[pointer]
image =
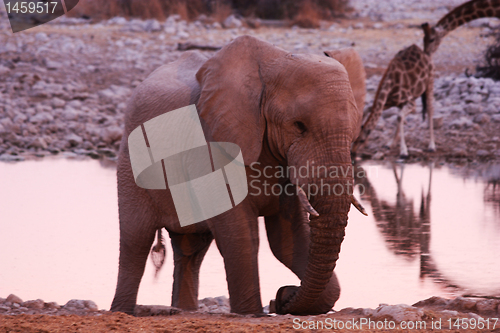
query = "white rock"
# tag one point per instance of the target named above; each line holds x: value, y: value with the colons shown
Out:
x: 42, y: 37
x: 41, y: 118
x: 170, y: 30
x: 461, y: 122
x: 183, y: 34
x: 111, y: 134
x: 4, y: 70
x: 117, y: 20
x: 476, y: 98
x: 231, y: 22
x: 39, y: 143
x: 152, y: 25
x: 76, y: 304
x: 52, y: 65
x: 90, y: 305
x: 58, y: 103
x: 69, y: 113
x: 14, y: 299
x: 73, y: 139
x: 36, y: 304
x: 399, y: 312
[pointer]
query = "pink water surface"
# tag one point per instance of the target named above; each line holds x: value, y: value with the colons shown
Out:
x: 59, y: 241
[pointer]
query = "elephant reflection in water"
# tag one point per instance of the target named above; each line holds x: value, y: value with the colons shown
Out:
x: 406, y: 231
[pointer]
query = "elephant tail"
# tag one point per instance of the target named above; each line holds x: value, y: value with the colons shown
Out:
x: 158, y: 252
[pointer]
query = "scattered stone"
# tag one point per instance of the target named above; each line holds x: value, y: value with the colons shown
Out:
x: 462, y: 122
x: 462, y: 304
x: 155, y: 310
x: 432, y: 301
x: 90, y: 305
x: 111, y: 134
x: 474, y: 108
x: 152, y: 25
x: 36, y: 304
x: 437, y: 122
x: 399, y: 312
x: 378, y: 156
x: 482, y: 153
x: 42, y: 37
x: 487, y: 306
x: 78, y: 304
x: 459, y: 152
x: 482, y: 118
x: 39, y: 143
x: 14, y: 299
x: 4, y: 70
x: 73, y: 139
x: 231, y: 22
x: 52, y: 306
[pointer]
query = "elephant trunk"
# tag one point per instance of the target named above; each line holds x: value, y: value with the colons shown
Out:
x: 326, y: 235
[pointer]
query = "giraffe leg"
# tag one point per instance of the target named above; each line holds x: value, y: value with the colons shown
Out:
x: 430, y: 111
x: 392, y: 141
x: 403, y: 150
x: 407, y: 109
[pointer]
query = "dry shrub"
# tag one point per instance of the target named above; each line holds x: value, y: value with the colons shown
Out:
x: 146, y: 9
x: 220, y: 11
x: 308, y: 16
x: 306, y: 12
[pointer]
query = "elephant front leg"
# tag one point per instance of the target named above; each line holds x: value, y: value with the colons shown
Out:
x: 237, y: 236
x: 288, y: 235
x: 189, y: 251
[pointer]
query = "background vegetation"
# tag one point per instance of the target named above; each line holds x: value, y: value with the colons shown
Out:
x: 312, y: 10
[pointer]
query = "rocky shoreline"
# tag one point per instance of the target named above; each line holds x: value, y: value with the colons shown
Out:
x: 464, y: 307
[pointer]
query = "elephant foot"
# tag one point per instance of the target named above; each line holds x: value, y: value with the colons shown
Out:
x: 283, y: 297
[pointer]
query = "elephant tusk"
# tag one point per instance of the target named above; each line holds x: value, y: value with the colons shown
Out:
x: 358, y: 206
x: 305, y: 203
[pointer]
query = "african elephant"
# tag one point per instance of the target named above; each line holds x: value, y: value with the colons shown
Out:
x: 282, y: 110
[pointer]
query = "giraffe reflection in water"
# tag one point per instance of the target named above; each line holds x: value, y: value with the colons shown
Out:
x: 407, y: 231
x: 492, y: 189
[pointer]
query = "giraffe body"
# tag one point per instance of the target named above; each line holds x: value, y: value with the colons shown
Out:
x: 408, y: 76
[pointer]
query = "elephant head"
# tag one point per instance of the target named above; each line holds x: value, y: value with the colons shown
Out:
x: 300, y: 111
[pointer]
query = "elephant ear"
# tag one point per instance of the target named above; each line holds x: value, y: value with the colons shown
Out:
x: 352, y: 62
x: 232, y: 90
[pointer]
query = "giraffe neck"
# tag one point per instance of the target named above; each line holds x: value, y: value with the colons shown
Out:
x: 467, y: 12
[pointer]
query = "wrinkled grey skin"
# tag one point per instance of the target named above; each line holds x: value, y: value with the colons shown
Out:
x: 281, y: 109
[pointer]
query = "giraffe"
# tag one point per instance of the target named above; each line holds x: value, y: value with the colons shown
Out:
x: 410, y: 74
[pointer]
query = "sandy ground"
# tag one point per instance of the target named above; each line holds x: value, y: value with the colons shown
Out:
x: 194, y: 322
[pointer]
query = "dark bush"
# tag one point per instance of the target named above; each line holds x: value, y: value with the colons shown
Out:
x: 491, y: 66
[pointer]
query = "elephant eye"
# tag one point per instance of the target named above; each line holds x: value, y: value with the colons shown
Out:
x: 300, y: 126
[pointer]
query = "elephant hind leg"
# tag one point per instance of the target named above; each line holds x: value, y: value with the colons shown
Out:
x: 134, y: 251
x: 138, y: 224
x: 189, y: 251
